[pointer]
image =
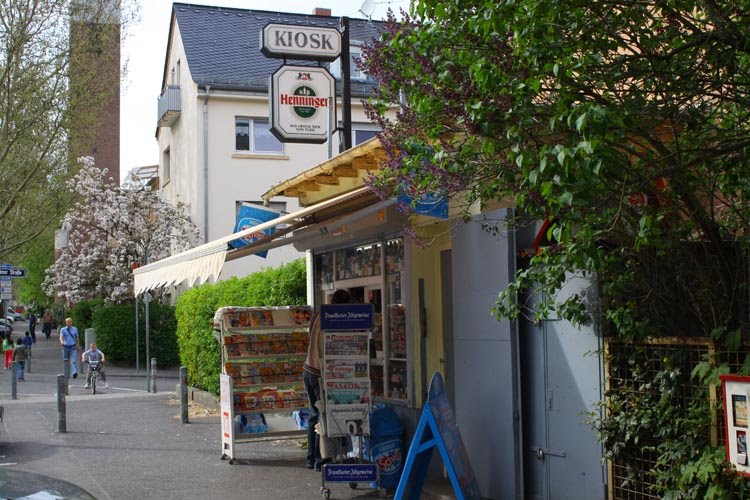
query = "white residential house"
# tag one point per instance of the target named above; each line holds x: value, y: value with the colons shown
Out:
x: 216, y: 149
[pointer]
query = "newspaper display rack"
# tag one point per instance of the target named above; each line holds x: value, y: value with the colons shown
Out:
x: 346, y: 390
x: 262, y: 353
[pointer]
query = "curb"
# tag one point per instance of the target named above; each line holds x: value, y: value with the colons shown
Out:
x: 201, y: 397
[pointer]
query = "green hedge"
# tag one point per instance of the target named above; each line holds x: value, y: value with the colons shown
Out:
x: 82, y: 314
x: 115, y: 333
x: 199, y: 350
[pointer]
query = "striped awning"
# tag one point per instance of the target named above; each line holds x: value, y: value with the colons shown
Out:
x: 206, y: 261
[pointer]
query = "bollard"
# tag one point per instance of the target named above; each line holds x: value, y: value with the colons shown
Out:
x: 28, y: 361
x: 183, y: 395
x: 14, y: 380
x: 66, y: 374
x: 61, y: 391
x: 153, y: 375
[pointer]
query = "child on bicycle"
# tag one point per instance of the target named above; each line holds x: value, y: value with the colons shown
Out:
x: 94, y: 355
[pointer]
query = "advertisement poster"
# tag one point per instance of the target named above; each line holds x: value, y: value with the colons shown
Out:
x: 739, y: 409
x: 251, y: 216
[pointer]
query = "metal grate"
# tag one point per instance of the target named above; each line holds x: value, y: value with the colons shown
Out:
x: 631, y: 478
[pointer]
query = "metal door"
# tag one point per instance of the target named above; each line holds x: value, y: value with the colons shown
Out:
x: 561, y: 380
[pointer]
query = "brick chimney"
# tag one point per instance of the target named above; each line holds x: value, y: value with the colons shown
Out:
x: 320, y: 11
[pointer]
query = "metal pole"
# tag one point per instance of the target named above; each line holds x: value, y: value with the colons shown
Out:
x: 331, y: 104
x: 137, y: 339
x: 14, y: 380
x: 346, y: 77
x: 61, y: 391
x: 153, y: 375
x: 28, y: 361
x: 147, y: 299
x: 183, y: 395
x: 66, y: 374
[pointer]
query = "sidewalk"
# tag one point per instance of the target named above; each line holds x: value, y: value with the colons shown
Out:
x: 126, y: 443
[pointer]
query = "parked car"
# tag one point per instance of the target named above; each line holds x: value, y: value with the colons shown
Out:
x: 17, y: 316
x: 6, y: 326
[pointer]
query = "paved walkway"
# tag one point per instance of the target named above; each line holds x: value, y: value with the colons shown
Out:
x: 126, y: 443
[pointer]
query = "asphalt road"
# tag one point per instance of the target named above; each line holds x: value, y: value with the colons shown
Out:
x: 126, y: 443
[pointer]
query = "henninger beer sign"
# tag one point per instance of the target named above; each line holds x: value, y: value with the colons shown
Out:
x: 300, y: 97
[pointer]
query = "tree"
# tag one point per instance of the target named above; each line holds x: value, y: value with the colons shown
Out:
x: 626, y: 127
x: 44, y: 83
x: 110, y: 228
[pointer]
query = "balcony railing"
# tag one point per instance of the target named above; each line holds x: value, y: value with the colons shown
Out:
x: 169, y: 106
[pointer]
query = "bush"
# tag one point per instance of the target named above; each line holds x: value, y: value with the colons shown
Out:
x: 82, y: 313
x: 199, y: 350
x: 115, y: 333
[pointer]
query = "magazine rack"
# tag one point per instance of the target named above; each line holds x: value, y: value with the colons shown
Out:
x: 262, y: 353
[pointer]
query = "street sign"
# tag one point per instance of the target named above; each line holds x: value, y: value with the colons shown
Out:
x: 13, y: 272
x: 5, y: 296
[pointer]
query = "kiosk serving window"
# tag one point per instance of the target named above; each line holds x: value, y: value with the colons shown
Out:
x: 372, y: 273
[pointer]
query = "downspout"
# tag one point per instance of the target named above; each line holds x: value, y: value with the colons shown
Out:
x: 205, y: 164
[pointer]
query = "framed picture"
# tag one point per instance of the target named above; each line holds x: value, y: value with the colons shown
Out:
x: 739, y: 410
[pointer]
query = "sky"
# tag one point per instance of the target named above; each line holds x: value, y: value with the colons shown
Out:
x: 144, y: 50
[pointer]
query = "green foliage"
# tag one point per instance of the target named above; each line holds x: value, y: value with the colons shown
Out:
x: 36, y: 258
x: 625, y: 128
x: 199, y: 350
x: 115, y: 333
x: 82, y: 313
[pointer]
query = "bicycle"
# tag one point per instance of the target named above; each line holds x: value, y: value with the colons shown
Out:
x: 94, y: 368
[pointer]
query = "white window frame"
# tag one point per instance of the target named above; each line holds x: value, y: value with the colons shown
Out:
x: 166, y: 165
x: 355, y: 52
x: 251, y: 139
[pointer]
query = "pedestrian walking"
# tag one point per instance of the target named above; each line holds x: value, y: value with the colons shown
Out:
x: 32, y: 326
x: 19, y: 356
x: 69, y: 340
x: 8, y: 347
x: 47, y: 323
x: 27, y: 341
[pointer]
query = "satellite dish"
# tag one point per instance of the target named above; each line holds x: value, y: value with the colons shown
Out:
x: 368, y: 7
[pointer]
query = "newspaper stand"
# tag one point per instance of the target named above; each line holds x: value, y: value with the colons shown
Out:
x: 262, y: 353
x: 345, y: 411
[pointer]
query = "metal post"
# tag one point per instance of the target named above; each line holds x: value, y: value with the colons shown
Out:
x: 61, y: 391
x: 66, y: 374
x: 147, y: 299
x: 14, y: 380
x: 137, y: 339
x: 183, y: 395
x: 28, y: 361
x: 153, y: 375
x: 331, y: 126
x: 346, y: 77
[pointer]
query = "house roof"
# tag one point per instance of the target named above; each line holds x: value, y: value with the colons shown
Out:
x: 222, y: 45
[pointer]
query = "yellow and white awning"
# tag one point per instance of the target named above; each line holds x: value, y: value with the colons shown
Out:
x: 206, y: 261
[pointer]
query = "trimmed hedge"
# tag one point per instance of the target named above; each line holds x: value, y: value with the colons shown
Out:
x: 199, y: 350
x: 115, y: 333
x: 82, y: 314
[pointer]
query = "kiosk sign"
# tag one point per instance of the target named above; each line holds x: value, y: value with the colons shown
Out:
x: 300, y: 98
x: 291, y: 41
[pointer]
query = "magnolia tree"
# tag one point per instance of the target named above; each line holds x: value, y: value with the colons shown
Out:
x: 626, y: 127
x: 111, y: 228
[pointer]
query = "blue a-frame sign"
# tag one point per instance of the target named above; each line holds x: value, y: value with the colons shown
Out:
x: 437, y: 428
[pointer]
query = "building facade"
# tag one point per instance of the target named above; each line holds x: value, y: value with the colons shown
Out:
x: 216, y: 150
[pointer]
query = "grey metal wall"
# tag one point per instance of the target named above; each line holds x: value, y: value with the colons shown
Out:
x: 484, y: 356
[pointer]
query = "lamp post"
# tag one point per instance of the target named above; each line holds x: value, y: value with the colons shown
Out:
x: 147, y: 300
